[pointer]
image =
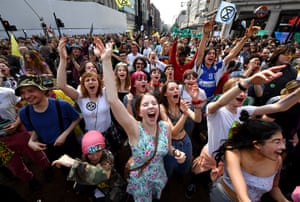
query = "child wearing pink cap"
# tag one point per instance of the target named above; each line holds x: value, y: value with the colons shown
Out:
x: 94, y: 174
x: 296, y: 194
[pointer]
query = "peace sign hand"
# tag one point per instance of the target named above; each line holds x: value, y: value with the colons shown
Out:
x: 251, y: 30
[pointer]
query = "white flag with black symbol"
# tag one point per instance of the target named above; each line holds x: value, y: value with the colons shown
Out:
x: 226, y: 12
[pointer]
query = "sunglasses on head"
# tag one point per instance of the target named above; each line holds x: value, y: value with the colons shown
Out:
x: 94, y: 149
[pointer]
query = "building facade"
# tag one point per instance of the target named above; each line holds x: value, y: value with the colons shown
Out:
x: 141, y: 15
x: 281, y: 16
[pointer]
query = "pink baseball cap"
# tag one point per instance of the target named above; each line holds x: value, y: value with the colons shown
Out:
x: 92, y: 142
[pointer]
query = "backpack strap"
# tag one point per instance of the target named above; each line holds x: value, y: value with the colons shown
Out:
x: 59, y: 114
x: 27, y: 113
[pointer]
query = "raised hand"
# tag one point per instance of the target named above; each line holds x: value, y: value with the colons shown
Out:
x: 251, y: 30
x: 267, y: 75
x: 62, y: 48
x: 101, y: 51
x: 208, y: 26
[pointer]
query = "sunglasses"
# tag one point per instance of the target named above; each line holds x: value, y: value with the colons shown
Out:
x: 289, y: 54
x: 94, y: 149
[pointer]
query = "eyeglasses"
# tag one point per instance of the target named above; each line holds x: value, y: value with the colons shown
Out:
x: 48, y: 83
x: 277, y: 141
x: 288, y: 54
x: 94, y: 149
x: 257, y: 63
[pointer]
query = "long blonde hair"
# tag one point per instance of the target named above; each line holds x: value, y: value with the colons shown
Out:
x: 118, y: 81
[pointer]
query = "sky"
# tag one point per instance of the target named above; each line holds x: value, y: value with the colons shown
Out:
x: 169, y: 9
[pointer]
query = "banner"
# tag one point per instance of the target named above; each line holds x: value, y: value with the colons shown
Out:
x: 297, y: 36
x: 186, y: 33
x: 122, y: 3
x: 262, y: 32
x: 226, y: 12
x: 281, y: 36
x: 14, y: 46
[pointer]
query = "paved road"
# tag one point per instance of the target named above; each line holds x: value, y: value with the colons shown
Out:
x: 59, y: 190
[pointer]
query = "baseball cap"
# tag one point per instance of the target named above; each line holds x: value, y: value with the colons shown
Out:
x: 92, y: 141
x: 76, y: 45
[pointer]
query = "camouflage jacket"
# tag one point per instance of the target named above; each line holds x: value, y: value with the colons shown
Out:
x: 86, y: 173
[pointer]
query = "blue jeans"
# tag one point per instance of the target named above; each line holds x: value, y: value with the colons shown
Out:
x: 171, y: 165
x: 217, y: 193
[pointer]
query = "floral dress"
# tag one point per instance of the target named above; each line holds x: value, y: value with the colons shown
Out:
x: 151, y: 181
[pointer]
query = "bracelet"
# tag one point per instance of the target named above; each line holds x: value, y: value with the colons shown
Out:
x: 197, y: 102
x: 247, y: 81
x: 242, y: 88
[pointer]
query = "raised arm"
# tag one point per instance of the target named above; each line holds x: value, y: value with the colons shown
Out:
x: 172, y: 58
x: 126, y: 120
x: 250, y: 31
x: 61, y: 71
x: 207, y: 28
x: 280, y: 106
x: 262, y: 77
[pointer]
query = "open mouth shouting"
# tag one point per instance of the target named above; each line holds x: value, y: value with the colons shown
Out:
x: 240, y: 100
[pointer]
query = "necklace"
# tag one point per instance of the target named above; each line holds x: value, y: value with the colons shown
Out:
x: 173, y: 112
x: 93, y: 108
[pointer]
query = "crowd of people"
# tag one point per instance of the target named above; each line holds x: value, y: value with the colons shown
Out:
x: 216, y: 108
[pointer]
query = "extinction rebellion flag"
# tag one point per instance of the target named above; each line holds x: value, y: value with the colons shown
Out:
x: 226, y: 12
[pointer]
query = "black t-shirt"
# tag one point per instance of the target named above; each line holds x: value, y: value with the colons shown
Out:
x: 274, y: 87
x: 289, y: 120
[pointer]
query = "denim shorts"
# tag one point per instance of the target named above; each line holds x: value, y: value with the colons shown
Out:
x: 171, y: 165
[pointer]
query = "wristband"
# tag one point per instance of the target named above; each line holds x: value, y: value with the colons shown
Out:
x: 197, y: 102
x: 242, y: 88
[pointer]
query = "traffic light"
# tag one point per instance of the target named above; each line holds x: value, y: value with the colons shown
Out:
x: 59, y: 23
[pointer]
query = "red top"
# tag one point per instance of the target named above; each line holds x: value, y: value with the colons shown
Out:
x: 180, y: 69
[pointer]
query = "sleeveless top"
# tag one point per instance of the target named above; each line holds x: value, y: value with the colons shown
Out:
x: 174, y: 119
x: 153, y: 178
x: 256, y: 186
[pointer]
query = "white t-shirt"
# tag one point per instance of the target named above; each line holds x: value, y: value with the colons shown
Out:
x: 8, y: 101
x: 219, y: 123
x: 96, y: 115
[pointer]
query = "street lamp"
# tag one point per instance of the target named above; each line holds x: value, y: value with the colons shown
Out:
x: 188, y: 5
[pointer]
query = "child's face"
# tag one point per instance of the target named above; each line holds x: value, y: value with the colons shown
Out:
x: 122, y: 72
x: 155, y: 75
x: 95, y: 157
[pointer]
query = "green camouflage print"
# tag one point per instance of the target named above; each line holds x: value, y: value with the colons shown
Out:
x: 85, y: 173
